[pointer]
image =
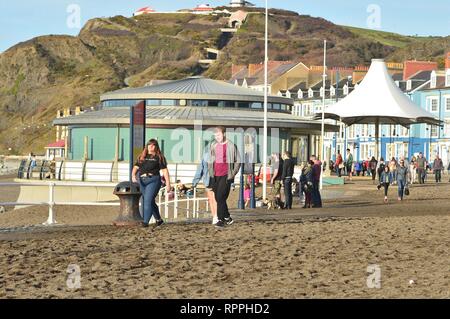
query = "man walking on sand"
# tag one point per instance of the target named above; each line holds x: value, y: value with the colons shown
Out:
x: 438, y: 167
x: 224, y: 164
x: 421, y: 168
x: 349, y: 164
x: 288, y: 172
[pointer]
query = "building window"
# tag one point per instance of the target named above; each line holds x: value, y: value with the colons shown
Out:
x: 332, y: 91
x: 447, y: 77
x: 433, y: 104
x: 434, y: 130
x: 351, y: 131
x: 447, y: 104
x: 229, y: 104
x: 257, y: 105
x: 120, y: 103
x: 168, y: 103
x: 300, y: 94
x: 213, y: 103
x: 307, y: 110
x: 153, y: 102
x: 243, y: 105
x: 365, y: 130
x: 201, y: 103
x: 322, y: 91
x: 310, y: 93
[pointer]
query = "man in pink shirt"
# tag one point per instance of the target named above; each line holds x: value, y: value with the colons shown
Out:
x: 224, y: 165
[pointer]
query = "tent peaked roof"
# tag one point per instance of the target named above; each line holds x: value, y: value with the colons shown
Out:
x: 378, y: 100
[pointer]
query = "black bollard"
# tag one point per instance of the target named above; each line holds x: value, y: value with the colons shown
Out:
x: 129, y: 195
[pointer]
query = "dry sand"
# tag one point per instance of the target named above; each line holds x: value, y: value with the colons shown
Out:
x: 320, y: 253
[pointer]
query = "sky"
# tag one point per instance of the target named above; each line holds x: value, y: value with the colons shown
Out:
x: 21, y: 20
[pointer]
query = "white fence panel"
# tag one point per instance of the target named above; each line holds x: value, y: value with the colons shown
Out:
x: 73, y: 171
x: 99, y: 172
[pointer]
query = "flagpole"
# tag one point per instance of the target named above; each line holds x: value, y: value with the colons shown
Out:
x: 322, y: 148
x: 266, y: 60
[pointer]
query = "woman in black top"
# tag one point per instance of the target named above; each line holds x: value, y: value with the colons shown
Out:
x: 149, y: 165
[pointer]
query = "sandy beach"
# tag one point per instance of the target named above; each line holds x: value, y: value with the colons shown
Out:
x: 303, y: 253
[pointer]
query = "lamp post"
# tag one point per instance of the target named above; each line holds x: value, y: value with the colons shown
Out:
x: 266, y: 62
x: 322, y: 141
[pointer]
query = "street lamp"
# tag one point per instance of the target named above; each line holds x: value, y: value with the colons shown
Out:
x: 266, y: 93
x: 322, y: 148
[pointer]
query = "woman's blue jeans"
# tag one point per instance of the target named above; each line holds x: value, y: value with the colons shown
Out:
x: 150, y: 187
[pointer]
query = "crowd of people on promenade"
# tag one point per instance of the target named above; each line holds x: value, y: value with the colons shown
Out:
x: 418, y: 166
x: 385, y: 173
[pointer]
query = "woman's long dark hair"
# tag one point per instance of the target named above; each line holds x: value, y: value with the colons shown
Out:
x: 158, y: 152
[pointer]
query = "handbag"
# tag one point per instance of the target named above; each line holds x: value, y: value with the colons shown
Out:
x: 341, y: 165
x: 407, y: 191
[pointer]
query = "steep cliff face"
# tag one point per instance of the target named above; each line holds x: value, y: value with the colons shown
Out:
x: 48, y: 73
x: 42, y: 75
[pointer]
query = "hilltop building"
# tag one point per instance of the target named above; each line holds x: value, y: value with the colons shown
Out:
x: 240, y: 3
x: 145, y: 10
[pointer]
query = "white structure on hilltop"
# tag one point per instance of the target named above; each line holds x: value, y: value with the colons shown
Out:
x: 145, y: 10
x: 240, y: 3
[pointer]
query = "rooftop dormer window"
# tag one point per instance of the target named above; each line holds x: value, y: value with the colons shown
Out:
x: 346, y: 89
x: 433, y: 80
x: 408, y: 85
x: 322, y: 91
x: 300, y: 94
x: 332, y: 91
x: 310, y: 93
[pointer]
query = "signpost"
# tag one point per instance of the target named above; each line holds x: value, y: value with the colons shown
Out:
x: 137, y: 132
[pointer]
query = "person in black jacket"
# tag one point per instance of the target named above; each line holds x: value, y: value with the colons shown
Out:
x: 306, y: 181
x: 288, y: 172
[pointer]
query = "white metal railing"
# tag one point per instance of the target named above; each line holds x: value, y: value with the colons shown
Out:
x: 52, y: 201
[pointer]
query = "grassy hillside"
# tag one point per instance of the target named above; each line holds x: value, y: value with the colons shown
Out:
x: 385, y: 38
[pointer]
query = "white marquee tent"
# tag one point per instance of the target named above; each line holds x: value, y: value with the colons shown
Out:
x: 378, y: 100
